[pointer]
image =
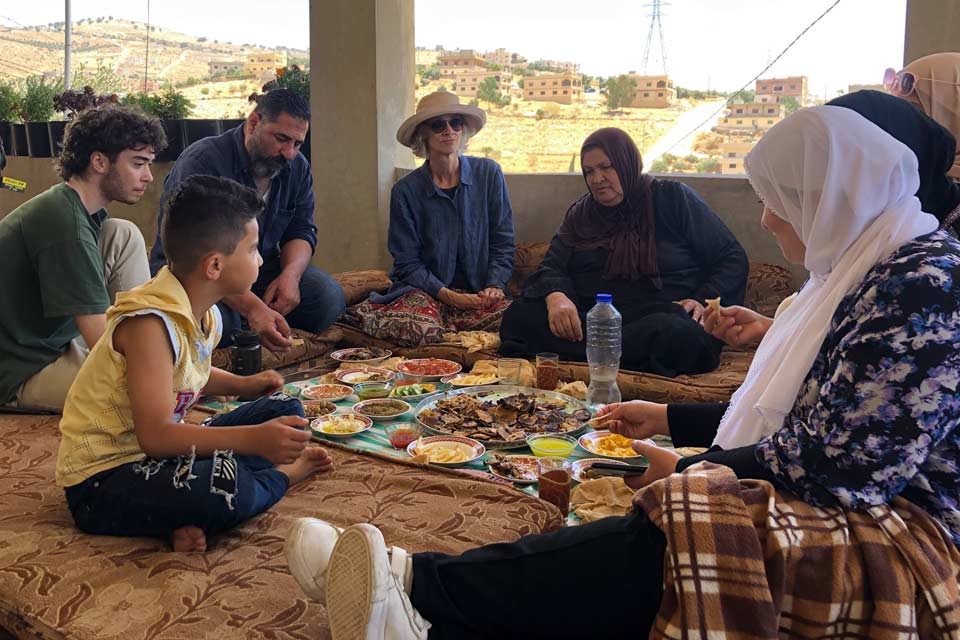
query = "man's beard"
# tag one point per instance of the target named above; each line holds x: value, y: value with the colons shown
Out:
x: 262, y: 166
x: 112, y: 188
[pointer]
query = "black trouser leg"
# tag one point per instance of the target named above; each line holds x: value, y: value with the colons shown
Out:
x: 597, y: 580
x: 525, y: 331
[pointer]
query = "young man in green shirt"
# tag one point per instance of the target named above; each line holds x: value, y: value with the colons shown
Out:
x: 63, y: 260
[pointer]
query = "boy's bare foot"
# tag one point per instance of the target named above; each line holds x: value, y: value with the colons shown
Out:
x: 312, y: 460
x: 188, y: 539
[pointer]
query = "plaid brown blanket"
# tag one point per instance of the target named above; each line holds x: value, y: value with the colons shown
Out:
x: 746, y: 561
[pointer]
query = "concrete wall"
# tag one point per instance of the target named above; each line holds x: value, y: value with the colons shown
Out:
x: 931, y: 26
x: 539, y: 202
x: 40, y: 175
x: 357, y: 108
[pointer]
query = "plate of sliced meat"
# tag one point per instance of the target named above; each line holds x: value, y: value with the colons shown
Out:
x: 502, y: 416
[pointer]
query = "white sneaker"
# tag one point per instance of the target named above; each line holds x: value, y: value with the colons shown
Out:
x: 365, y: 600
x: 309, y: 545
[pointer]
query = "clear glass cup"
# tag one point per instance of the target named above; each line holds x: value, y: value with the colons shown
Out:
x: 509, y: 369
x: 548, y: 371
x: 554, y: 476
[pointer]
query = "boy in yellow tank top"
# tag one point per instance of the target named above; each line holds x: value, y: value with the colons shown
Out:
x: 128, y: 465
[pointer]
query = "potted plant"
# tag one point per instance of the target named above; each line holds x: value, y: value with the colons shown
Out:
x: 71, y: 103
x: 36, y: 108
x: 9, y: 109
x: 171, y: 107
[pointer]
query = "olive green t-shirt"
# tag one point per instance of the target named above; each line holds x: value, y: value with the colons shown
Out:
x: 51, y: 270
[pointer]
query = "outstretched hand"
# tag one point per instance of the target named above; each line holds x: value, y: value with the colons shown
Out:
x: 661, y: 463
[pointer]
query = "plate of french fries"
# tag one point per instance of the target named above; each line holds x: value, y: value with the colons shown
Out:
x: 446, y: 451
x: 608, y: 445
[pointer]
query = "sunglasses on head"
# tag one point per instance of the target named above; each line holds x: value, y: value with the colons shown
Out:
x: 439, y: 125
x: 903, y: 83
x: 899, y: 83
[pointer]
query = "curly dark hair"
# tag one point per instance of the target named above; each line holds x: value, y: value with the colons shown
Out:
x: 272, y: 103
x: 205, y: 214
x: 108, y: 129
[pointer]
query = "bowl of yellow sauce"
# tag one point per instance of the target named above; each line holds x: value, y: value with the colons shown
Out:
x: 551, y: 444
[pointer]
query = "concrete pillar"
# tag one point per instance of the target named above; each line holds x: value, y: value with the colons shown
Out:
x: 362, y: 75
x: 932, y: 26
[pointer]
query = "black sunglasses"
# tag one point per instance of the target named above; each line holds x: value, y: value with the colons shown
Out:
x: 439, y: 125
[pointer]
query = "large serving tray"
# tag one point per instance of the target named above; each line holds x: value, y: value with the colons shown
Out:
x: 496, y: 392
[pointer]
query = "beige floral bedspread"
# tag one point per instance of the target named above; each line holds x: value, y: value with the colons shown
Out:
x: 56, y: 582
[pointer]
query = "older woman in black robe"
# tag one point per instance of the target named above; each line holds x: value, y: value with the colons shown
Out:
x: 653, y: 244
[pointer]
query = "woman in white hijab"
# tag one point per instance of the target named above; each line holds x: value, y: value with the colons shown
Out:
x: 853, y: 400
x: 863, y: 365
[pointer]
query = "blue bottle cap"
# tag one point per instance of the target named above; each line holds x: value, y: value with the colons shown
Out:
x: 605, y: 297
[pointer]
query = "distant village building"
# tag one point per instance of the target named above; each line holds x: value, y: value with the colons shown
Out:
x: 225, y: 66
x: 426, y: 57
x: 258, y: 63
x: 452, y: 62
x: 563, y: 65
x: 775, y: 89
x: 467, y: 83
x: 502, y: 58
x: 565, y: 88
x: 653, y: 92
x: 751, y: 116
x: 732, y: 155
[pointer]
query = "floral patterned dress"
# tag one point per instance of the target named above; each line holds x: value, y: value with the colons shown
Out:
x: 878, y: 414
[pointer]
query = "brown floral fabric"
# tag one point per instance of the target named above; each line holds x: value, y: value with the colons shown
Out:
x: 314, y: 344
x: 56, y: 582
x: 355, y: 337
x: 416, y: 319
x: 358, y: 285
x: 767, y: 286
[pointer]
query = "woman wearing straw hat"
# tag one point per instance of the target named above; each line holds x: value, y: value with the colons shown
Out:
x: 451, y: 233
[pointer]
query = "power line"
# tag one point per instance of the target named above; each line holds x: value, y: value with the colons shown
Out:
x: 755, y: 78
x: 146, y: 55
x: 26, y: 27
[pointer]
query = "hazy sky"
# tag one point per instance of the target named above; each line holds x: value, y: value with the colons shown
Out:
x: 723, y: 42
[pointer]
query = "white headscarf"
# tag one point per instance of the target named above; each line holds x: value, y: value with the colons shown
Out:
x: 847, y: 188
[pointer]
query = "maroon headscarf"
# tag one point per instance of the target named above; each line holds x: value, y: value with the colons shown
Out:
x: 627, y: 230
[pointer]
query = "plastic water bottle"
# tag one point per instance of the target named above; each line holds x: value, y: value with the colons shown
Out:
x: 604, y: 324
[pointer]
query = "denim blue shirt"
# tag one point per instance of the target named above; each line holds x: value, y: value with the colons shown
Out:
x: 430, y: 232
x: 289, y: 213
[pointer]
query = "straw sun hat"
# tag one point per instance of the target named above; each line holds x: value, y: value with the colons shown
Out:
x: 439, y: 103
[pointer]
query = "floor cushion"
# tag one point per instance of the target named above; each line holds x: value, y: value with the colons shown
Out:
x: 56, y: 582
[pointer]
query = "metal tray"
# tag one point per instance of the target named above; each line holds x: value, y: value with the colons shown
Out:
x: 495, y: 392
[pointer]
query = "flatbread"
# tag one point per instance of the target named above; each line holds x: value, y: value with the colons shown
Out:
x: 601, y: 497
x: 714, y: 303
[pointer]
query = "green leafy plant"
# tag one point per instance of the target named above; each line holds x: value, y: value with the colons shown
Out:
x: 620, y: 92
x: 293, y: 78
x: 789, y: 104
x: 9, y: 101
x: 36, y: 104
x: 168, y: 105
x: 103, y: 80
x: 489, y: 92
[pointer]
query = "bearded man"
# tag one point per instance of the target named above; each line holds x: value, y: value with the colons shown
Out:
x: 264, y: 154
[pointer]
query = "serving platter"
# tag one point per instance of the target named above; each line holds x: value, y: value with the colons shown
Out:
x: 493, y: 393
